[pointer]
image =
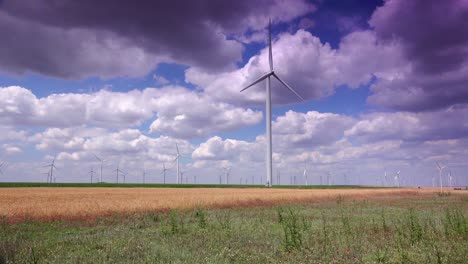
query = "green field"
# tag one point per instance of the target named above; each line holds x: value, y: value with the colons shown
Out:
x: 170, y: 185
x: 390, y: 229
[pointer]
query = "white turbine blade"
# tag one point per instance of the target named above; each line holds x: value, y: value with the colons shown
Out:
x: 263, y: 77
x: 177, y: 147
x: 287, y: 86
x: 270, y: 57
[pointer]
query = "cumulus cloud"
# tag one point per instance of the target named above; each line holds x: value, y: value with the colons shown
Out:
x: 451, y: 123
x: 433, y: 37
x: 216, y: 148
x: 81, y: 143
x: 310, y: 67
x: 186, y: 114
x: 109, y: 38
x: 309, y: 130
x: 20, y: 107
x: 434, y: 34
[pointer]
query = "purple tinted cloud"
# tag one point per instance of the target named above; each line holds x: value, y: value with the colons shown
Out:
x: 189, y: 32
x: 433, y: 36
x: 434, y: 33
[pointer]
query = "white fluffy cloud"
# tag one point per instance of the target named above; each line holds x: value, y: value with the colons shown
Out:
x: 314, y: 69
x: 189, y: 114
x: 179, y: 112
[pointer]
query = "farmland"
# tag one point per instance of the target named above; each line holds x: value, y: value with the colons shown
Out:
x: 209, y: 225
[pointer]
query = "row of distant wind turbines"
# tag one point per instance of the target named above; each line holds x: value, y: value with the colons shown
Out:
x: 225, y: 177
x: 269, y: 159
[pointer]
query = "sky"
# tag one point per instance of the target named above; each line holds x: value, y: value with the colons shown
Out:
x: 385, y: 86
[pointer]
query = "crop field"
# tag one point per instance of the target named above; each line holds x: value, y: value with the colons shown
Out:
x: 247, y: 225
x: 21, y: 204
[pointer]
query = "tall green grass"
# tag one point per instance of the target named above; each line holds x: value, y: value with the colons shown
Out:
x: 341, y: 231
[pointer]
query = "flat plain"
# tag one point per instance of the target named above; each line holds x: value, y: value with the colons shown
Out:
x: 22, y: 204
x: 231, y: 225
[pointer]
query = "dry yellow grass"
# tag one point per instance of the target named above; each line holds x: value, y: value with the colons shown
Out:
x: 20, y: 204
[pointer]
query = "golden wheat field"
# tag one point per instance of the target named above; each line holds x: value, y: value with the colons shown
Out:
x: 20, y: 204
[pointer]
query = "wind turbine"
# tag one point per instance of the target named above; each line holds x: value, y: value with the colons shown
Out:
x: 1, y: 165
x: 144, y: 173
x: 164, y: 173
x: 227, y: 170
x: 441, y: 168
x: 267, y: 76
x: 177, y: 160
x: 397, y: 178
x: 329, y: 178
x: 386, y: 179
x: 117, y: 171
x: 278, y: 178
x: 449, y: 178
x: 305, y: 175
x: 102, y: 163
x: 48, y: 175
x: 91, y: 172
x: 52, y: 167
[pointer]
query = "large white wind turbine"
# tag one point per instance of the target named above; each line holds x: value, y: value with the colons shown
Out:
x: 440, y: 168
x: 267, y: 76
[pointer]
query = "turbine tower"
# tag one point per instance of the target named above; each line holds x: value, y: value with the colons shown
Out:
x: 52, y: 167
x: 449, y: 178
x: 305, y: 176
x: 91, y: 172
x: 177, y: 161
x: 227, y: 170
x: 119, y: 171
x: 397, y: 178
x: 267, y: 76
x: 164, y: 173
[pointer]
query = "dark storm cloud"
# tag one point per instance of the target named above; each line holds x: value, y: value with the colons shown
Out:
x: 434, y: 32
x: 433, y: 36
x: 189, y: 32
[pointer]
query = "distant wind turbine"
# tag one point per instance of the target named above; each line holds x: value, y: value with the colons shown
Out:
x: 144, y: 173
x: 52, y: 167
x: 117, y: 171
x: 1, y: 165
x: 267, y: 76
x: 101, y: 160
x: 449, y: 178
x: 440, y: 168
x: 329, y: 178
x: 397, y: 178
x: 91, y: 172
x: 164, y: 173
x: 177, y: 161
x: 305, y: 175
x: 227, y: 171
